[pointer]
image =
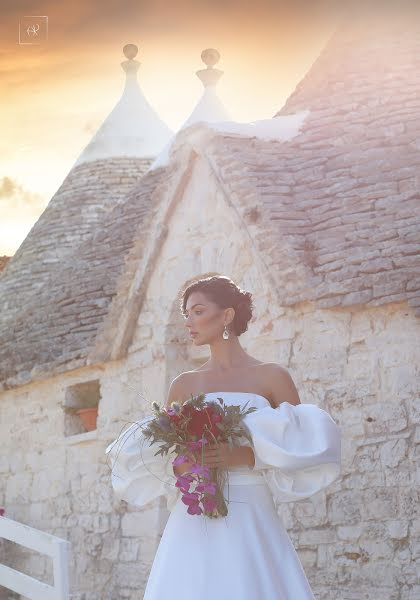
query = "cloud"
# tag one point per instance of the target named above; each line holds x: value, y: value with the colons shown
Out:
x: 7, y: 187
x: 19, y: 209
x: 16, y: 200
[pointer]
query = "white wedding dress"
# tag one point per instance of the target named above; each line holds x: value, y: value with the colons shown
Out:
x: 248, y: 554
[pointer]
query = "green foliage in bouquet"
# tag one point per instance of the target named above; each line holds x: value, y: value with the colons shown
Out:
x: 176, y: 432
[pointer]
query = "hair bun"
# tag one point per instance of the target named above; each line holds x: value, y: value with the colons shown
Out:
x: 243, y: 311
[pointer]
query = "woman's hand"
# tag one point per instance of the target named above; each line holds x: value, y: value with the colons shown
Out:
x: 220, y: 456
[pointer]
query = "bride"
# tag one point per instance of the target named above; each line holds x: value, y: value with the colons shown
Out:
x: 295, y: 452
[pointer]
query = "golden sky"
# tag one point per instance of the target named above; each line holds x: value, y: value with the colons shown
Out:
x: 55, y: 95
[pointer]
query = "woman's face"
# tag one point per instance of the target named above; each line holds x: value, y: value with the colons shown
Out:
x: 203, y: 319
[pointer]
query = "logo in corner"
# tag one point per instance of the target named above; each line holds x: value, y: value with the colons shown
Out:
x: 33, y: 30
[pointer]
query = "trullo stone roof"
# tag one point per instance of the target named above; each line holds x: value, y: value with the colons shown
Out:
x: 107, y: 169
x: 333, y: 211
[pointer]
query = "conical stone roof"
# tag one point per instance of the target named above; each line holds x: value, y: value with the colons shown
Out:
x: 133, y: 128
x: 209, y: 108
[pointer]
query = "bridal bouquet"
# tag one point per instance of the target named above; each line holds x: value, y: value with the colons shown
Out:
x: 187, y: 428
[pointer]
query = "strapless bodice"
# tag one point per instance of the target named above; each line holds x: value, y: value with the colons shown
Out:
x: 240, y: 398
x: 242, y: 475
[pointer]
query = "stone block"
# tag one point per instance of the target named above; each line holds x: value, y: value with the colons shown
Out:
x: 110, y: 548
x: 380, y: 503
x: 398, y: 529
x: 139, y: 524
x: 378, y: 421
x: 313, y: 537
x: 393, y: 452
x: 129, y: 550
x: 349, y: 532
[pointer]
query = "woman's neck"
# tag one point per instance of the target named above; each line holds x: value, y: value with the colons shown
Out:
x: 227, y: 354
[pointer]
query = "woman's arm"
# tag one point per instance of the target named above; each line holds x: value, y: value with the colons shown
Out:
x: 281, y: 385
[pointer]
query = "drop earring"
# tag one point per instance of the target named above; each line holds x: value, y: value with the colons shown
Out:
x: 225, y: 334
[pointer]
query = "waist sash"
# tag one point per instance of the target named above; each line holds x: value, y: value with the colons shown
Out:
x: 244, y: 477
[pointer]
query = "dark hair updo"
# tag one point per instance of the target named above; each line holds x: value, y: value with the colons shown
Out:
x: 226, y: 294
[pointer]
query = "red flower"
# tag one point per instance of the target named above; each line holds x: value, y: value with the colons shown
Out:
x: 176, y: 418
x: 202, y: 421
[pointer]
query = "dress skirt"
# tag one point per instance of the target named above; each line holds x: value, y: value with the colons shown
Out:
x: 246, y: 555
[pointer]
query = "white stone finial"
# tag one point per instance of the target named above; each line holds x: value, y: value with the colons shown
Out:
x: 210, y: 57
x: 130, y: 50
x: 130, y: 66
x: 210, y: 76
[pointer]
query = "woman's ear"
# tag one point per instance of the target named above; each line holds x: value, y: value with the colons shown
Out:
x: 229, y: 315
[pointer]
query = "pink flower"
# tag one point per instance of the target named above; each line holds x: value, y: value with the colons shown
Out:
x: 209, y: 504
x: 209, y: 488
x: 200, y: 469
x: 194, y: 509
x: 179, y: 460
x: 183, y: 483
x: 190, y: 498
x: 196, y: 445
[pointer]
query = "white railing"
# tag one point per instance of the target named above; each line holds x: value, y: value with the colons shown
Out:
x: 42, y: 542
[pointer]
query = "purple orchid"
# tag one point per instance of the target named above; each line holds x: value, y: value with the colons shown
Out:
x: 179, y: 460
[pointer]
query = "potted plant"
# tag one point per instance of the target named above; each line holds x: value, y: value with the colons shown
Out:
x: 87, y: 413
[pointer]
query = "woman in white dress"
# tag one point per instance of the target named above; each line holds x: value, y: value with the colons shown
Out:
x: 295, y: 452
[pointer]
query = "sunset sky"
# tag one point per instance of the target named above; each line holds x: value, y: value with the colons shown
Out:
x: 55, y: 95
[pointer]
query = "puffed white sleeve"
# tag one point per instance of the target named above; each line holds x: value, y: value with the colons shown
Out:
x: 137, y: 475
x: 297, y: 448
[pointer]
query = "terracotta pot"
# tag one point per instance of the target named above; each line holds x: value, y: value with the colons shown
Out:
x: 88, y: 417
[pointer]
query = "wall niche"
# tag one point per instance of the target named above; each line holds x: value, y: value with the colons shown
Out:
x: 81, y: 402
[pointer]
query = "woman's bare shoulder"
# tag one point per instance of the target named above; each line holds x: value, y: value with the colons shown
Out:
x: 178, y: 390
x: 273, y: 367
x: 281, y: 384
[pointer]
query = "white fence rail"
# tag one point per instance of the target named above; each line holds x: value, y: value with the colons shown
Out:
x: 42, y: 542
